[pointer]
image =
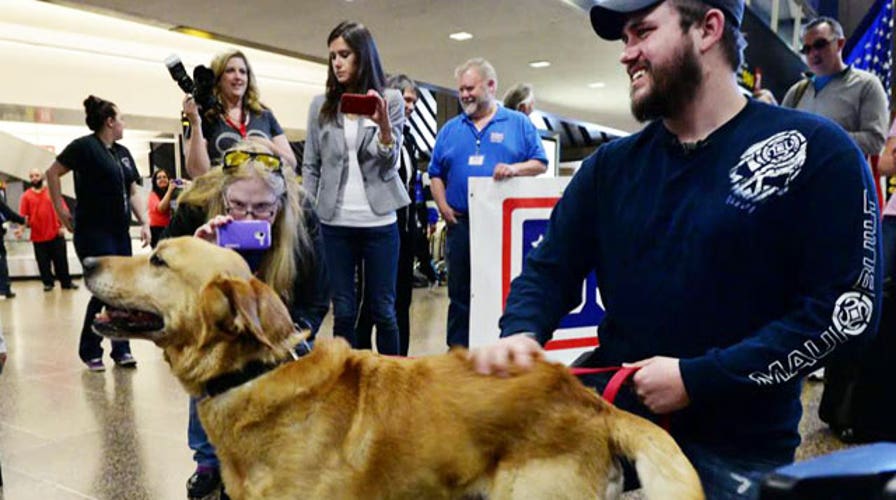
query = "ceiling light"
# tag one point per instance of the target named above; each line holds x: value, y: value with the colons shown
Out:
x: 460, y: 36
x: 597, y: 85
x: 540, y: 64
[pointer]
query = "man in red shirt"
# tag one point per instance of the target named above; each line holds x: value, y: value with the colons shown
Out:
x: 47, y: 234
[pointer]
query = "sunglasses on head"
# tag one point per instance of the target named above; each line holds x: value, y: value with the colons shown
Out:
x: 816, y: 45
x: 233, y: 159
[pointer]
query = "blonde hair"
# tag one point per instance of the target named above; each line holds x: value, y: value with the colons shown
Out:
x: 291, y: 256
x: 251, y: 99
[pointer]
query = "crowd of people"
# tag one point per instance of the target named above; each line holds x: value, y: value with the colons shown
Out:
x: 757, y: 227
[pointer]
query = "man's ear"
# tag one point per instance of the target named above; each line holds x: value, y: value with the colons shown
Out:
x: 230, y: 308
x: 712, y: 29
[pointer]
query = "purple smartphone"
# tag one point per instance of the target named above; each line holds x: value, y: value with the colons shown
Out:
x: 245, y: 235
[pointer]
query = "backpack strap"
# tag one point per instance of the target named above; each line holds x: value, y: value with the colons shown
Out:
x: 800, y: 92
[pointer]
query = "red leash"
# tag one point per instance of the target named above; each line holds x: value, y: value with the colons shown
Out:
x: 612, y: 389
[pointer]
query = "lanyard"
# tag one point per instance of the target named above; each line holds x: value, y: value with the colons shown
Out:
x: 241, y: 127
x: 478, y: 134
x: 124, y: 188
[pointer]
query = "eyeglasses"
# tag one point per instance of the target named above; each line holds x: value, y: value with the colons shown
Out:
x: 261, y: 211
x: 816, y: 45
x: 233, y: 159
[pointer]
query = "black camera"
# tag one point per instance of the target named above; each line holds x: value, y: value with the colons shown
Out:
x: 201, y: 86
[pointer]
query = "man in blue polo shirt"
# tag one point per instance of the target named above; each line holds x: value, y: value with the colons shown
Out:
x: 486, y: 140
x: 735, y: 245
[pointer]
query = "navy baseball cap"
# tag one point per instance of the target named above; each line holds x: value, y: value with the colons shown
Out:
x: 608, y: 16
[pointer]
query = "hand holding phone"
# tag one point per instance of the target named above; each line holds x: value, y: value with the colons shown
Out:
x: 358, y: 104
x: 245, y: 235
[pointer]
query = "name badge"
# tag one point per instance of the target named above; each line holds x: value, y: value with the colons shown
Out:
x: 476, y: 160
x: 496, y: 137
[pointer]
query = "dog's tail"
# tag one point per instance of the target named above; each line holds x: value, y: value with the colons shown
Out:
x: 662, y: 468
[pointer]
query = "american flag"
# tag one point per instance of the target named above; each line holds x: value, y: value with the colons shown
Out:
x: 873, y: 52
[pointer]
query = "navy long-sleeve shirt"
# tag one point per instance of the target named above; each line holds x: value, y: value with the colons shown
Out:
x: 751, y: 258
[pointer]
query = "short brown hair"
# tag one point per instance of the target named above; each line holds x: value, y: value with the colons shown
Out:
x: 733, y: 41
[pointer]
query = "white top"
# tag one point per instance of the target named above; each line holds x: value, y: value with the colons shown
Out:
x: 355, y: 209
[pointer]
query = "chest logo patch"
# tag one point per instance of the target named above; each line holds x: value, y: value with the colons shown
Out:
x: 767, y: 168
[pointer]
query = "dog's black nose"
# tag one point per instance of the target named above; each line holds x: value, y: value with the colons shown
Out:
x: 90, y: 265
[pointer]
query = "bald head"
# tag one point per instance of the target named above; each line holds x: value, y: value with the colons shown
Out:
x: 35, y: 175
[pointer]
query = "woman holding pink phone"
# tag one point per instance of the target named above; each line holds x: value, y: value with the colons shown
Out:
x: 350, y: 167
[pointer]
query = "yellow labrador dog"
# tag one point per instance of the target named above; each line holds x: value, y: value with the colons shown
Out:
x: 345, y: 424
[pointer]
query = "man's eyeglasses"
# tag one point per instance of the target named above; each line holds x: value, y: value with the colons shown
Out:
x: 233, y: 159
x: 816, y: 45
x: 261, y: 211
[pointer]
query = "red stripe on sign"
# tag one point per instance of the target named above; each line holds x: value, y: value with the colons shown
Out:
x: 559, y: 344
x: 511, y: 204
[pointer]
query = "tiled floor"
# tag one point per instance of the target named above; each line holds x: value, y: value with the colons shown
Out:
x: 66, y: 433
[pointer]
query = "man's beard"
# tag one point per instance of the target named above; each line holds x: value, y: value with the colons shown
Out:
x: 673, y: 86
x: 37, y: 184
x: 471, y: 108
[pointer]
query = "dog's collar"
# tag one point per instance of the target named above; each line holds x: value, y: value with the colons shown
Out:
x: 251, y: 371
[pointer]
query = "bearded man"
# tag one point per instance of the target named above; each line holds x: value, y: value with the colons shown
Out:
x: 47, y: 233
x: 734, y: 243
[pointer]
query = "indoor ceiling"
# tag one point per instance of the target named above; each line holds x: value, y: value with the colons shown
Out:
x: 412, y: 36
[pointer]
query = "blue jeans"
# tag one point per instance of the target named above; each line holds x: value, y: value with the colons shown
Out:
x: 723, y: 474
x: 203, y: 452
x: 4, y: 269
x: 457, y: 248
x: 377, y: 249
x: 888, y: 242
x: 96, y: 244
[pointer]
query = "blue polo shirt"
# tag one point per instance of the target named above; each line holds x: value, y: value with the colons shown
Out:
x: 509, y: 137
x: 751, y: 258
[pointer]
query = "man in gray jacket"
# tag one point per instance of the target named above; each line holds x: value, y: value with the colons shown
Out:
x: 853, y: 98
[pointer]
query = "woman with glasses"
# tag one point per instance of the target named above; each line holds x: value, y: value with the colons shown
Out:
x: 237, y: 115
x: 350, y: 166
x: 253, y: 185
x: 106, y: 187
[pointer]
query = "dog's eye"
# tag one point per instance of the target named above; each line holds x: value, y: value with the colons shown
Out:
x: 156, y: 260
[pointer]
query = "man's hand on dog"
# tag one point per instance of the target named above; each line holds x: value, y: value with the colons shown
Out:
x: 518, y: 351
x: 659, y: 385
x: 209, y: 230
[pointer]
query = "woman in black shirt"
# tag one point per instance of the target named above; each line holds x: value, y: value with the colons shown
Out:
x: 107, y: 191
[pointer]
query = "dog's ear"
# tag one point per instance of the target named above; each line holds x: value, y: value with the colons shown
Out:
x: 272, y: 312
x: 236, y: 307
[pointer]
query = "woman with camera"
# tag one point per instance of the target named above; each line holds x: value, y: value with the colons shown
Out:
x: 106, y: 188
x: 253, y: 185
x: 237, y: 114
x: 350, y: 167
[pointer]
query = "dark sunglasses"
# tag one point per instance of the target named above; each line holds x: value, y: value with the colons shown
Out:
x: 816, y: 45
x: 233, y: 159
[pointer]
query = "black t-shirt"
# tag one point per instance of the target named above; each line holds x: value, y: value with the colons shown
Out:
x: 103, y: 179
x: 220, y: 136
